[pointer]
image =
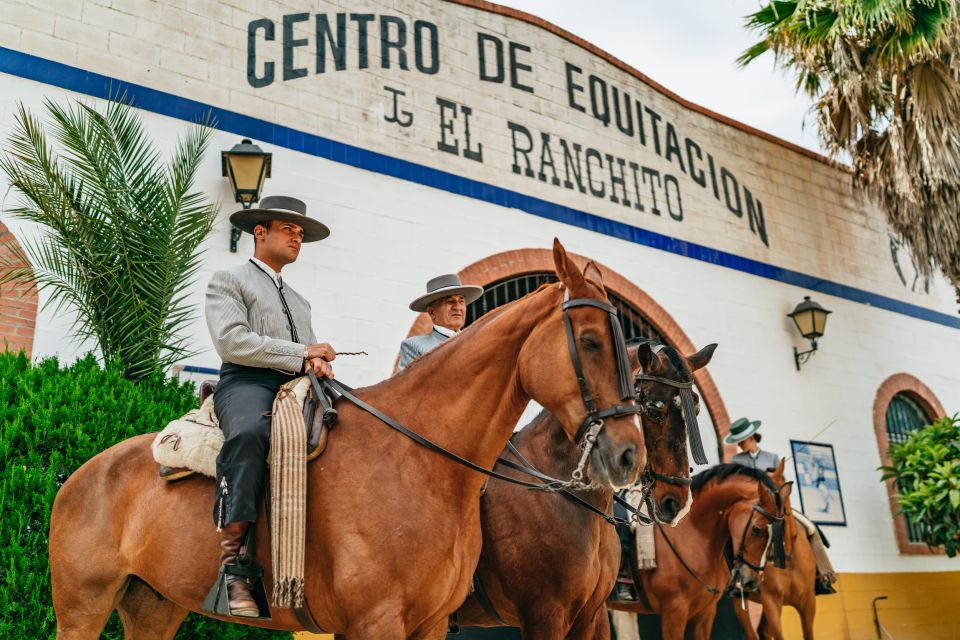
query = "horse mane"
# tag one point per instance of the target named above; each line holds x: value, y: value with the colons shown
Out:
x: 722, y: 472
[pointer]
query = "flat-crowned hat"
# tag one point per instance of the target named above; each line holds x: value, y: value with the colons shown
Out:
x: 282, y: 208
x: 443, y: 286
x: 741, y: 430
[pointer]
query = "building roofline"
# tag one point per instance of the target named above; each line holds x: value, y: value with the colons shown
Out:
x: 523, y: 16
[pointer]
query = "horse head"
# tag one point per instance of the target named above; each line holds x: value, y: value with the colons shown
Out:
x: 751, y: 528
x: 575, y: 365
x: 665, y: 426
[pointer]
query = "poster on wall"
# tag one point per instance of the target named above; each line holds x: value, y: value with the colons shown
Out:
x: 818, y: 482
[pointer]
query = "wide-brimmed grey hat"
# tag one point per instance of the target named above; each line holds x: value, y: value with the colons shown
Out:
x: 282, y: 208
x: 741, y: 430
x: 443, y: 286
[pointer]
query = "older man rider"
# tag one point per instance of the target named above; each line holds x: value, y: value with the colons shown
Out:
x: 446, y: 303
x: 261, y: 328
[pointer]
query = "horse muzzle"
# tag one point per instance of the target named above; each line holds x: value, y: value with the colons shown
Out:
x: 617, y: 464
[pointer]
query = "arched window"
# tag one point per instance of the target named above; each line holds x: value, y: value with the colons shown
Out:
x: 515, y: 287
x: 903, y: 405
x: 904, y: 415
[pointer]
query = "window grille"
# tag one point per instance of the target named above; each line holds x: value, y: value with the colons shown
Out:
x: 905, y: 415
x: 515, y: 287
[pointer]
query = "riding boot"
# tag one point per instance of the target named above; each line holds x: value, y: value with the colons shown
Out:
x: 238, y: 589
x: 826, y: 576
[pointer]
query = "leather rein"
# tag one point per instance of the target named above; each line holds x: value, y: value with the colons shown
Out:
x: 589, y: 428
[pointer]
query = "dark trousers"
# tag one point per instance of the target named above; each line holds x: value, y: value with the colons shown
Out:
x: 244, y: 405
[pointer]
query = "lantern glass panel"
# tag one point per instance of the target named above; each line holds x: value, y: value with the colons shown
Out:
x: 819, y: 320
x: 247, y: 174
x: 804, y: 322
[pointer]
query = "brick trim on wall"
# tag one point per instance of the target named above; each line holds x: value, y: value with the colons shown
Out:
x: 521, y: 261
x: 902, y: 383
x: 18, y: 302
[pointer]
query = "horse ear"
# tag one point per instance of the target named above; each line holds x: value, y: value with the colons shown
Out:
x: 767, y: 500
x: 777, y: 474
x: 592, y: 271
x: 567, y: 271
x: 785, y: 490
x: 701, y: 358
x: 645, y: 357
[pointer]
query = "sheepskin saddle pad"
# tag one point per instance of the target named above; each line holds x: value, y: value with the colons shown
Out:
x: 194, y: 440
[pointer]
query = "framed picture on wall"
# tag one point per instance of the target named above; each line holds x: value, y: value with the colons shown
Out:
x: 818, y: 483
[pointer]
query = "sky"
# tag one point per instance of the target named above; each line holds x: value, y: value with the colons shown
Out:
x: 691, y: 47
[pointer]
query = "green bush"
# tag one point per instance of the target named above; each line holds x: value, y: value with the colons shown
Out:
x: 52, y: 420
x: 926, y: 469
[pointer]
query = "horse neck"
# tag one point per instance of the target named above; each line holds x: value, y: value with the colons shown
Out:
x: 547, y: 447
x: 711, y: 511
x: 465, y: 395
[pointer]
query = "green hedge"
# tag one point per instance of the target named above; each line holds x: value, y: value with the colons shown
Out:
x: 52, y: 420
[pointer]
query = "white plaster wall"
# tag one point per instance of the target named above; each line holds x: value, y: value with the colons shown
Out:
x: 390, y: 236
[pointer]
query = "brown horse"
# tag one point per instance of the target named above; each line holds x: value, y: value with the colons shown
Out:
x: 393, y: 529
x: 548, y: 564
x: 792, y: 585
x: 731, y: 504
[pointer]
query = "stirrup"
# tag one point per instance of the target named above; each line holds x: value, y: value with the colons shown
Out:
x: 218, y: 599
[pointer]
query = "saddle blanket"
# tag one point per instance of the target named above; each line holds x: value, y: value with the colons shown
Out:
x: 194, y: 440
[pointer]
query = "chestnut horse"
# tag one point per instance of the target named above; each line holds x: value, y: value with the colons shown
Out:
x: 548, y: 564
x: 393, y: 529
x: 731, y: 504
x: 793, y: 585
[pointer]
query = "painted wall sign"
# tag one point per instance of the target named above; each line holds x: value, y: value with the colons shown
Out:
x: 650, y: 177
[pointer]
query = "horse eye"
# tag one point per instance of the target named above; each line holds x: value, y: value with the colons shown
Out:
x: 757, y: 531
x: 589, y: 342
x: 656, y: 411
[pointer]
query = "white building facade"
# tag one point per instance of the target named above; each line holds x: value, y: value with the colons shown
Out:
x: 436, y: 137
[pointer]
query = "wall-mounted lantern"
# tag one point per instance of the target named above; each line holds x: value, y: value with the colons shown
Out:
x: 247, y: 166
x: 811, y: 319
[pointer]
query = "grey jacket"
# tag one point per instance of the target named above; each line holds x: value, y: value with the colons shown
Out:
x: 415, y: 346
x: 247, y: 323
x: 765, y: 460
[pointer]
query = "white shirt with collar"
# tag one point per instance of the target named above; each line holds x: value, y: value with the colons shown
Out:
x: 277, y: 282
x: 445, y: 331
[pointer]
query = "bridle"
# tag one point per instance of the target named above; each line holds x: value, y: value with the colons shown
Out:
x: 590, y: 428
x: 739, y: 560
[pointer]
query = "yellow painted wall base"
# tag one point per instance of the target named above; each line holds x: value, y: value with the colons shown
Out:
x: 919, y: 606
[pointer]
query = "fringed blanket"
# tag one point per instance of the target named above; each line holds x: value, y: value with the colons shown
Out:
x: 646, y: 546
x: 288, y: 497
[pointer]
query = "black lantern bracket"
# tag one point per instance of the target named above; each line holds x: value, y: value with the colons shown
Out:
x: 800, y: 357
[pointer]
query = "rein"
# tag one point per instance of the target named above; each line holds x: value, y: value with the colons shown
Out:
x: 592, y: 424
x: 738, y: 559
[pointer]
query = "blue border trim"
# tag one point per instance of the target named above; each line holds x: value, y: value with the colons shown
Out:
x: 93, y: 84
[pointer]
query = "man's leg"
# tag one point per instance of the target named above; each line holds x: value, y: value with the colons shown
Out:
x: 244, y: 404
x: 826, y: 575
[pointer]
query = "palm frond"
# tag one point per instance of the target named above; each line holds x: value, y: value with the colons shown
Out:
x: 121, y: 228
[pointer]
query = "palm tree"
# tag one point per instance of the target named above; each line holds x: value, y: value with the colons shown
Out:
x: 885, y: 78
x: 119, y: 228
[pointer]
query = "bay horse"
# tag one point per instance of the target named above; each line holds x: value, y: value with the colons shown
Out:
x: 793, y: 585
x: 732, y: 504
x: 547, y: 564
x: 393, y: 529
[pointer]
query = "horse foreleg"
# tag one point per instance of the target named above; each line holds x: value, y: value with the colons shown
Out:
x: 148, y: 616
x: 83, y: 605
x: 673, y: 623
x: 595, y: 628
x: 807, y: 609
x: 701, y: 624
x: 772, y: 609
x: 743, y: 617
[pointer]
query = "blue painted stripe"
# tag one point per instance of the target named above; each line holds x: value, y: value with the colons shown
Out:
x: 167, y: 104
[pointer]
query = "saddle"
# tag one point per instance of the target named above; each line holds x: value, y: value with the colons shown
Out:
x: 191, y: 444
